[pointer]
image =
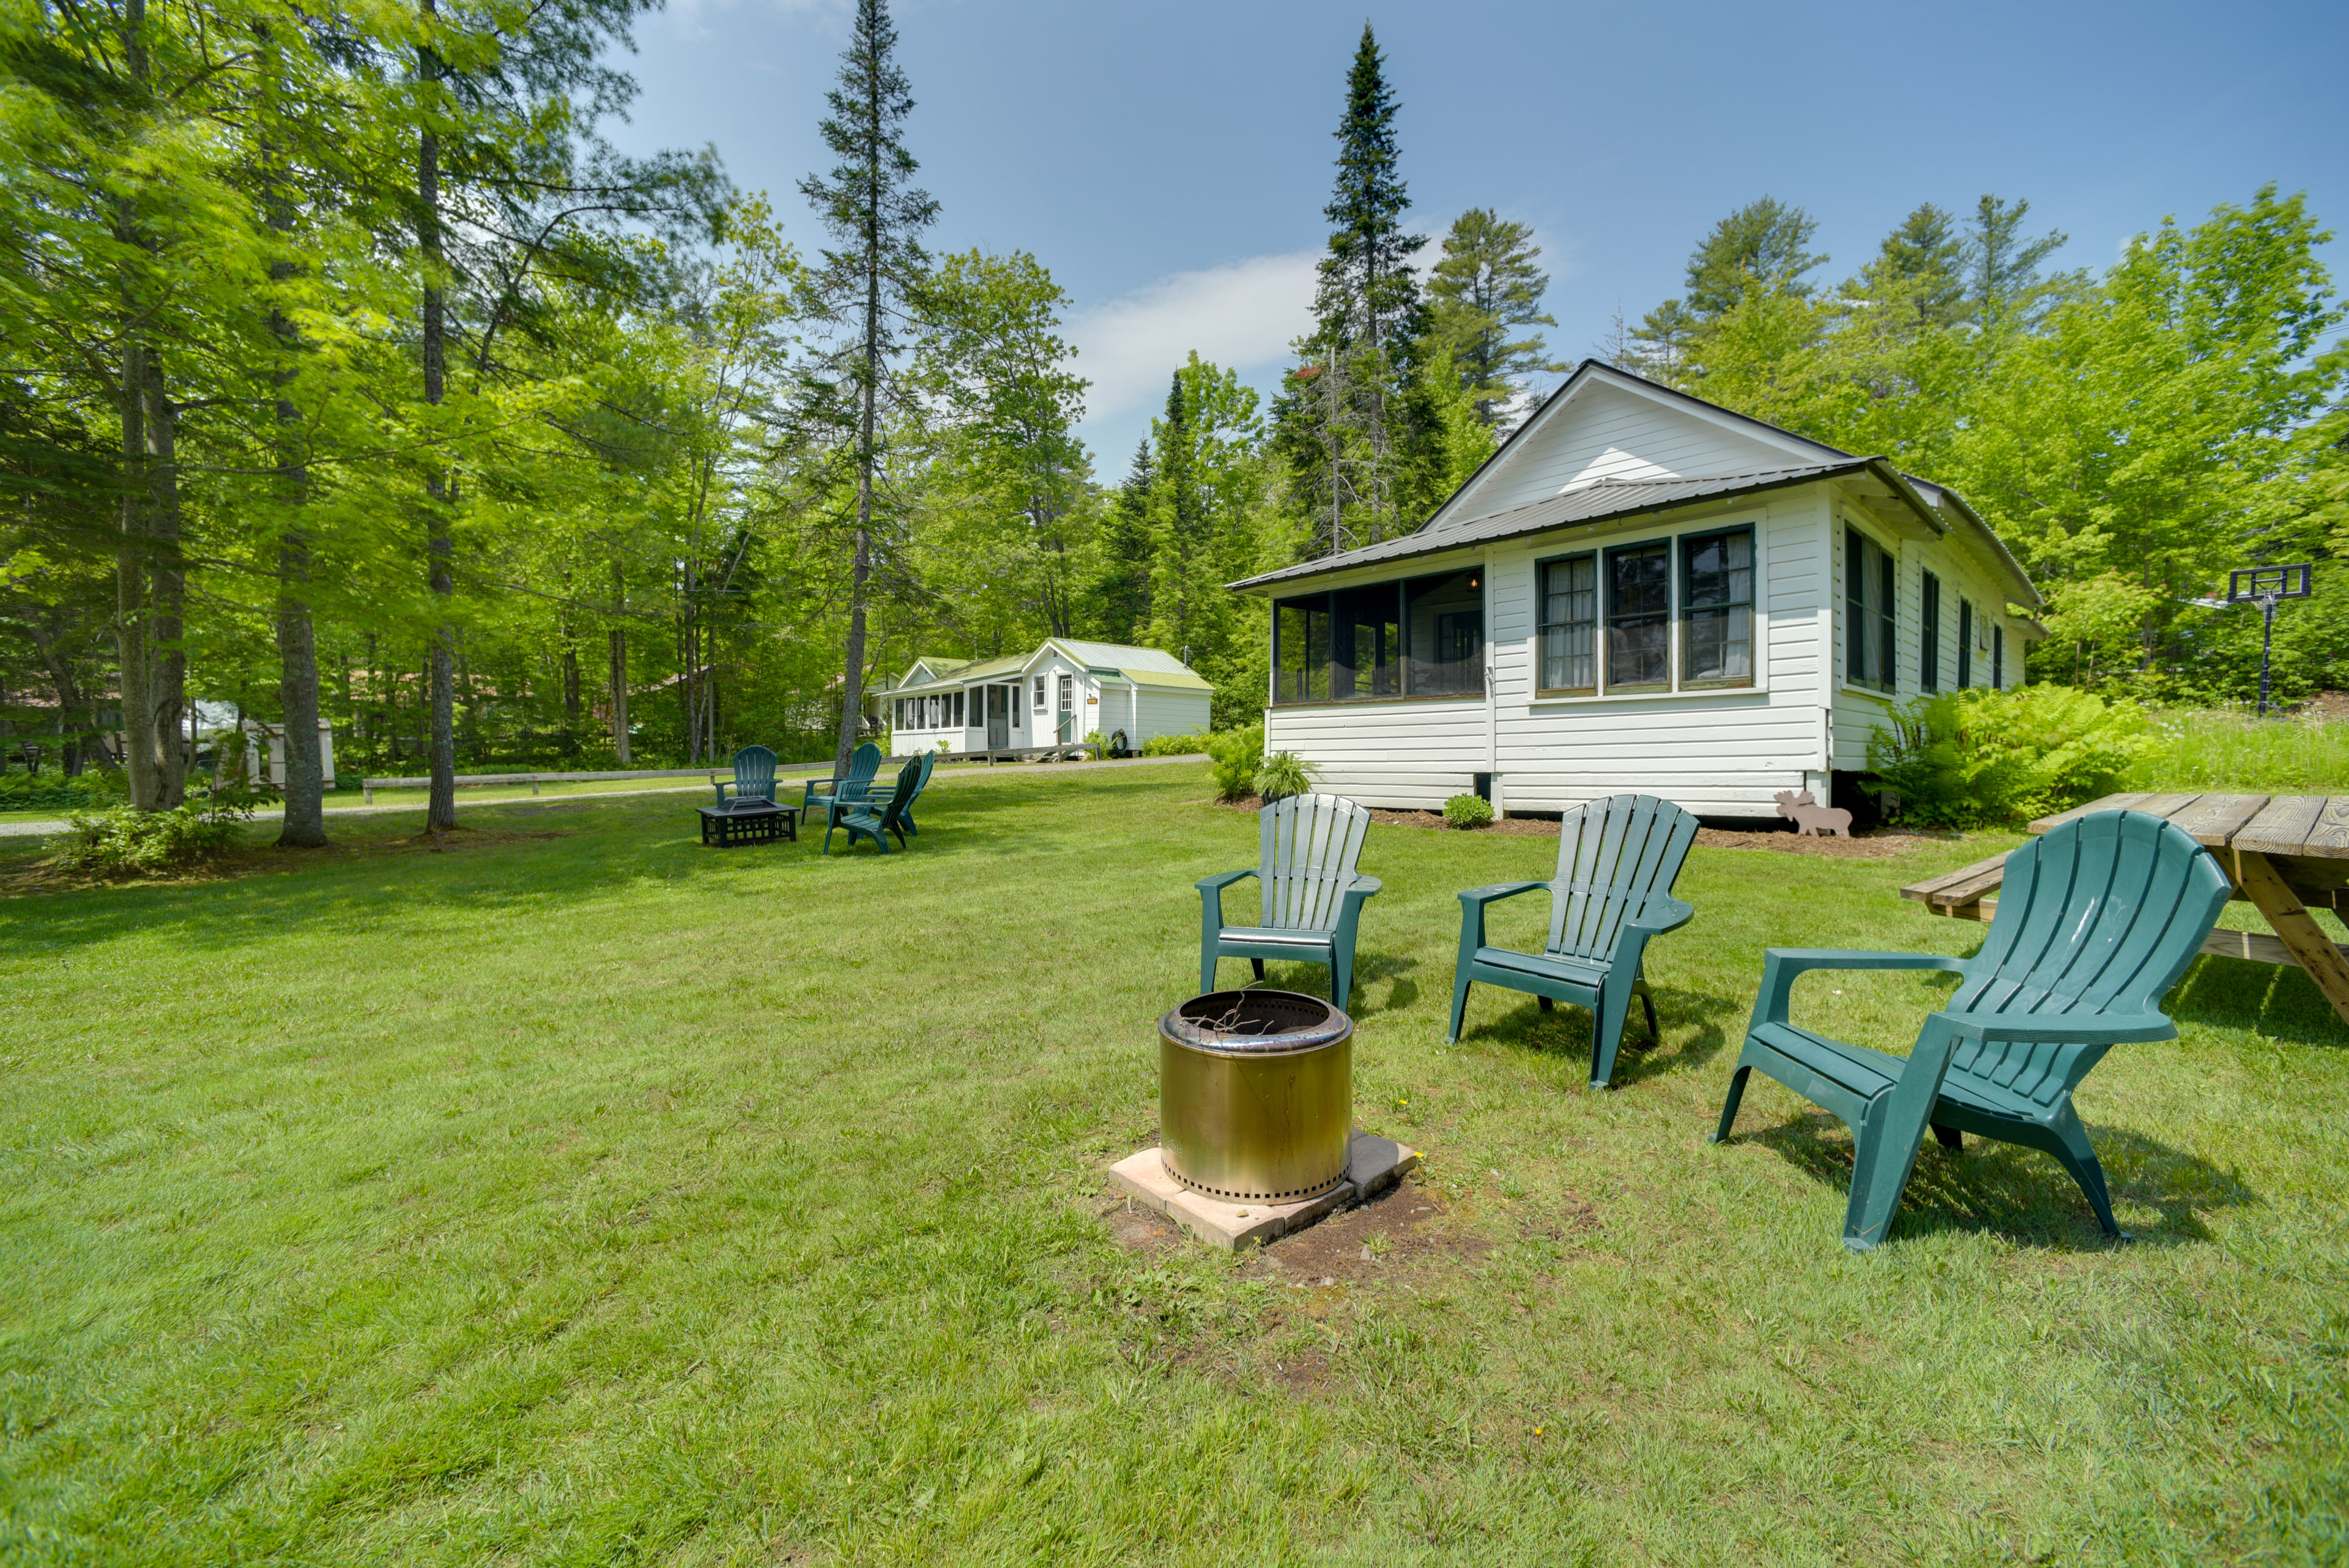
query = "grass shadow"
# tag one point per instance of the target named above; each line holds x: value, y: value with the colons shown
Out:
x: 2278, y: 1002
x: 1566, y: 1030
x: 2022, y: 1194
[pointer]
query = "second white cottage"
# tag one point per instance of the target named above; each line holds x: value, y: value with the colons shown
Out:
x: 1640, y: 591
x: 1053, y: 695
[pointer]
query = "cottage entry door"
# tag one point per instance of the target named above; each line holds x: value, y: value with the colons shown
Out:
x: 999, y: 718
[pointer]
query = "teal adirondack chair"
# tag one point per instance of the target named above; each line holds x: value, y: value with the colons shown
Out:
x: 872, y: 818
x: 1617, y: 861
x: 863, y: 764
x: 754, y: 776
x: 1313, y: 897
x: 929, y: 761
x: 2096, y: 922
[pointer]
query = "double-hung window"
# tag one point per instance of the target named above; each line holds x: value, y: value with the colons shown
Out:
x: 1717, y: 608
x: 1638, y: 616
x: 1928, y: 634
x: 1868, y: 612
x: 1965, y: 644
x: 1570, y: 625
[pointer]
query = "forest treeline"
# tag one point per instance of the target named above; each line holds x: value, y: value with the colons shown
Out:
x: 355, y: 372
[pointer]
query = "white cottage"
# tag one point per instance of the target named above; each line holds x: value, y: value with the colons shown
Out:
x: 1640, y: 591
x: 1055, y: 696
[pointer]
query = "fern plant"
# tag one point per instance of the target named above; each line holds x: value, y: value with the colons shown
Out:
x: 1284, y: 773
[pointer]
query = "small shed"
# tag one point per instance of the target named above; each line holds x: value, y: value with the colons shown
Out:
x: 1054, y: 695
x: 1640, y: 591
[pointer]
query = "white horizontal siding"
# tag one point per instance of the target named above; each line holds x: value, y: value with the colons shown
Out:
x: 1607, y: 433
x: 1395, y: 754
x: 1163, y: 714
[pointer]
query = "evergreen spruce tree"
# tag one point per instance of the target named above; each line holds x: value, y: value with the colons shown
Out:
x: 869, y: 286
x: 1762, y: 247
x: 1921, y: 260
x: 1349, y: 429
x: 2002, y: 281
x: 1488, y: 283
x: 1121, y: 596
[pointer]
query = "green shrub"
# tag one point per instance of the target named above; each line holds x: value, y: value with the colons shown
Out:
x: 1284, y: 773
x: 1465, y: 811
x: 1175, y: 745
x: 56, y: 792
x: 125, y: 841
x: 1236, y: 754
x: 1977, y: 758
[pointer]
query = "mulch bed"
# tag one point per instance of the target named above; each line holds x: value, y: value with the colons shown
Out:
x: 1876, y: 844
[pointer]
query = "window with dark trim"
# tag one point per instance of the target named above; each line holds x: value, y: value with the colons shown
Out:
x: 1965, y: 645
x: 1998, y: 657
x: 1717, y: 608
x: 1570, y: 624
x: 1422, y: 637
x: 1638, y: 616
x: 1868, y: 612
x: 1928, y: 634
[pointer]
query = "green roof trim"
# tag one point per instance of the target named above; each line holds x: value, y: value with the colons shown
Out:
x: 1170, y: 680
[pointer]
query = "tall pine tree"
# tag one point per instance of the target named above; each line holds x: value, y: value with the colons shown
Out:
x: 1489, y: 284
x: 868, y: 287
x: 1351, y: 429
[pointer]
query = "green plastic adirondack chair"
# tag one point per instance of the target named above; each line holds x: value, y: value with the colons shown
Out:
x: 1617, y: 861
x: 863, y: 764
x: 1313, y: 897
x: 2096, y: 922
x: 874, y: 820
x: 754, y: 776
x: 929, y: 761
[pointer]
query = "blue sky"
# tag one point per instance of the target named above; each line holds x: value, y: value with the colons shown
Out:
x: 1169, y: 163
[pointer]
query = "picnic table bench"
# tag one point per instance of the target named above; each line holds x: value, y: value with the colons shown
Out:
x: 2284, y: 853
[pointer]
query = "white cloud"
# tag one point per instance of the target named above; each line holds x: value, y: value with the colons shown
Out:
x: 1241, y: 315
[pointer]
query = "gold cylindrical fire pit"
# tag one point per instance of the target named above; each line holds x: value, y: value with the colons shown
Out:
x: 1256, y: 1095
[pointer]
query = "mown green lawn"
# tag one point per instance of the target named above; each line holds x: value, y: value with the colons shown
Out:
x: 580, y: 1195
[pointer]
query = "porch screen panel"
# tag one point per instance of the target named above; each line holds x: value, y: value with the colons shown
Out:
x: 957, y: 712
x: 1443, y: 635
x: 1301, y: 635
x: 1366, y: 642
x: 1570, y: 624
x: 1717, y: 608
x: 1638, y: 616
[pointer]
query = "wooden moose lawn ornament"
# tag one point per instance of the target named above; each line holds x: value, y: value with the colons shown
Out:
x: 1808, y: 818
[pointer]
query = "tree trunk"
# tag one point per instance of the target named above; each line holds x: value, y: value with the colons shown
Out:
x: 149, y: 584
x: 440, y: 805
x: 570, y: 691
x: 619, y: 670
x: 852, y: 690
x: 297, y: 697
x: 305, y: 826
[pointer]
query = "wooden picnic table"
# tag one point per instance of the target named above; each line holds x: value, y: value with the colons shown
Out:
x: 2285, y: 854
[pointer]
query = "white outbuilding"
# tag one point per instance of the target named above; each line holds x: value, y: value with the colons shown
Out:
x: 1640, y: 591
x: 1050, y: 698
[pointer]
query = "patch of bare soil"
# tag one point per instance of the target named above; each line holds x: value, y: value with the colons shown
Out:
x: 2325, y: 708
x: 1371, y: 1241
x: 1881, y: 844
x: 1140, y: 1230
